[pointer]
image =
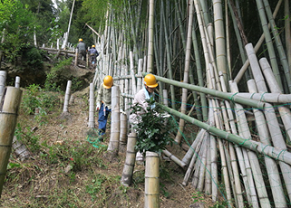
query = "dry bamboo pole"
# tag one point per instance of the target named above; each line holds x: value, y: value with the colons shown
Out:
x: 199, y: 138
x: 270, y: 46
x: 76, y: 57
x: 169, y: 65
x: 198, y: 165
x: 257, y: 46
x: 91, y: 122
x: 67, y: 96
x: 274, y: 87
x: 231, y: 157
x: 113, y: 146
x: 2, y: 84
x: 279, y: 45
x: 174, y: 159
x: 253, y: 159
x: 132, y: 73
x: 199, y: 74
x: 8, y: 120
x: 190, y: 170
x: 203, y: 170
x: 287, y: 31
x: 152, y: 174
x: 150, y: 61
x: 208, y: 179
x: 69, y: 26
x: 17, y: 82
x: 220, y: 39
x: 277, y: 137
x: 123, y: 129
x: 266, y: 97
x: 271, y: 166
x: 186, y: 73
x: 128, y: 168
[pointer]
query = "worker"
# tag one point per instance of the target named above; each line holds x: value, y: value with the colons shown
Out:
x: 141, y: 98
x: 82, y: 49
x: 93, y: 54
x: 103, y: 105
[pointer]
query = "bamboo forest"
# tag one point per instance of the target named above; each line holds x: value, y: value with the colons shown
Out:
x: 223, y: 69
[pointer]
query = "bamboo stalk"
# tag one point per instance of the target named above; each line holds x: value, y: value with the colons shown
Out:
x: 270, y: 46
x: 198, y: 165
x: 174, y: 159
x: 152, y: 180
x: 139, y: 80
x: 8, y: 120
x: 132, y: 73
x: 91, y: 122
x: 2, y: 84
x: 150, y: 61
x: 186, y: 73
x: 113, y: 146
x: 128, y: 168
x: 17, y: 82
x: 123, y: 129
x: 287, y: 31
x: 266, y: 97
x: 67, y: 96
x: 253, y: 159
x: 203, y: 165
x: 271, y: 166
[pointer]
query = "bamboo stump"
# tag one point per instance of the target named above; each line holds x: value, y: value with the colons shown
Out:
x: 8, y: 120
x: 67, y: 97
x: 127, y: 172
x: 123, y: 132
x: 152, y: 180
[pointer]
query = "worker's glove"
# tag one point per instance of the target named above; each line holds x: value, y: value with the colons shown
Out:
x: 165, y: 115
x: 98, y: 107
x: 123, y: 112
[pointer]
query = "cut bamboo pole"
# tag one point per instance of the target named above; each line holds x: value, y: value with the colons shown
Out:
x: 8, y: 120
x: 165, y: 97
x: 67, y: 96
x: 91, y: 122
x: 113, y: 146
x: 271, y: 166
x: 152, y: 174
x: 253, y: 159
x: 174, y: 159
x: 128, y: 168
x: 17, y: 82
x: 2, y: 84
x: 123, y: 129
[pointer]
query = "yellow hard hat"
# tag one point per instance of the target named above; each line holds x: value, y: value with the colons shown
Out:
x: 108, y: 82
x: 150, y: 81
x: 93, y: 46
x: 80, y: 39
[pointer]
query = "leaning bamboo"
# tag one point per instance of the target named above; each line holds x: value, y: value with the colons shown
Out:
x: 186, y: 73
x: 151, y: 198
x: 128, y: 168
x: 113, y: 145
x: 279, y: 46
x: 8, y: 120
x: 270, y: 47
x: 203, y: 170
x: 67, y: 96
x: 271, y: 166
x: 2, y: 83
x: 174, y: 159
x: 198, y: 165
x: 253, y: 159
x: 266, y: 97
x: 276, y: 153
x: 91, y: 122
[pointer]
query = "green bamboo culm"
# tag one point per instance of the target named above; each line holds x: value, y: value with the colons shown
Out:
x: 8, y: 120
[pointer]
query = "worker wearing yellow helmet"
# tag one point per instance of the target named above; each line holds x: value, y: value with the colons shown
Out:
x: 82, y: 50
x: 103, y: 104
x: 93, y: 53
x: 140, y: 98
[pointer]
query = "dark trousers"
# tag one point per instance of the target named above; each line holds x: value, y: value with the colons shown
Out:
x: 102, y: 120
